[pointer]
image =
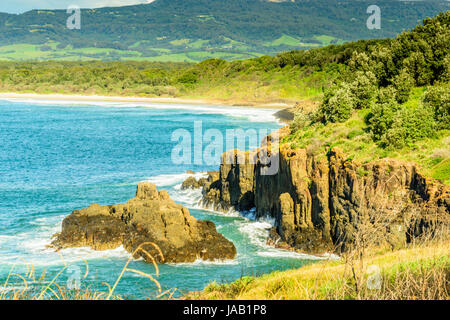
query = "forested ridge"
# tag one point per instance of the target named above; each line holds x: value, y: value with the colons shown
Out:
x: 194, y: 30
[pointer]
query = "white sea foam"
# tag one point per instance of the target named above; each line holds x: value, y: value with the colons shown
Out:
x: 88, y: 253
x: 167, y: 180
x: 230, y: 213
x: 190, y: 197
x: 5, y: 238
x: 258, y: 232
x: 33, y: 246
x: 252, y: 114
x: 39, y: 255
x: 200, y: 262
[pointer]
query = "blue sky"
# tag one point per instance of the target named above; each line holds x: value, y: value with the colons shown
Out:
x: 19, y: 6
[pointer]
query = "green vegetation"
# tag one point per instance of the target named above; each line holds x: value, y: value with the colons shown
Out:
x: 376, y: 99
x: 391, y: 100
x: 287, y: 77
x: 195, y: 30
x: 418, y: 272
x: 380, y: 98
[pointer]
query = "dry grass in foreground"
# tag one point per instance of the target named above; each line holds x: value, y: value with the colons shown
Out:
x: 376, y: 262
x: 418, y: 272
x: 30, y: 287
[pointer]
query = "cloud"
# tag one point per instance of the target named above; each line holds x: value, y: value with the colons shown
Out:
x: 19, y: 6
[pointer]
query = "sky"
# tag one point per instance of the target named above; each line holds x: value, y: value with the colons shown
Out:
x: 19, y: 6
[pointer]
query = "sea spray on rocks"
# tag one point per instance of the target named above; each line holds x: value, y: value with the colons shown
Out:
x: 149, y: 217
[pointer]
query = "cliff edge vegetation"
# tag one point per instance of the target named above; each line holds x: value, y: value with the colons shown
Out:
x: 416, y: 273
x: 365, y: 171
x: 392, y: 100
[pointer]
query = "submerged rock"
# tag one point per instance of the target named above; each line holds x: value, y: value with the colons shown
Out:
x: 149, y: 217
x: 192, y: 183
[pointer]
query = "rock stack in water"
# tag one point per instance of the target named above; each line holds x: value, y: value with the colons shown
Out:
x: 149, y: 217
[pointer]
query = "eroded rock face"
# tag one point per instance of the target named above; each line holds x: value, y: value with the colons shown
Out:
x: 319, y: 202
x: 149, y: 217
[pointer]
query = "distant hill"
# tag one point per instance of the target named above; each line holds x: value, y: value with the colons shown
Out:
x: 194, y: 30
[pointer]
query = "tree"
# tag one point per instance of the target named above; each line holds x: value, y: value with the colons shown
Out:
x: 381, y: 117
x: 418, y: 68
x: 338, y: 107
x: 446, y: 72
x: 438, y: 99
x: 410, y: 125
x: 403, y: 83
x: 364, y: 89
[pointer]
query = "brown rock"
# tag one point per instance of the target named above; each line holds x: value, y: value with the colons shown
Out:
x: 149, y: 217
x: 320, y: 202
x: 192, y: 183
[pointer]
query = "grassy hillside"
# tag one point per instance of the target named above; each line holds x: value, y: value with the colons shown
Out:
x: 418, y: 272
x: 392, y: 100
x: 195, y: 30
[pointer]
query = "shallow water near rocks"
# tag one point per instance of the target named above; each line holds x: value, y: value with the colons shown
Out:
x: 59, y: 156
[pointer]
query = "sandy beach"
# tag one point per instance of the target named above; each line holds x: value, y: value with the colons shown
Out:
x: 72, y: 97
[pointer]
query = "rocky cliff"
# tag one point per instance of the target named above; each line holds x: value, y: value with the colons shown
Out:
x: 149, y: 217
x: 325, y: 202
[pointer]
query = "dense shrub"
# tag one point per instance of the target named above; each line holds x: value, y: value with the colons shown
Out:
x: 364, y: 88
x: 387, y: 94
x: 410, y: 125
x: 416, y: 58
x: 403, y: 83
x: 189, y: 77
x: 446, y: 66
x: 301, y: 119
x: 438, y: 99
x: 419, y: 68
x: 381, y: 117
x: 360, y: 61
x: 338, y: 104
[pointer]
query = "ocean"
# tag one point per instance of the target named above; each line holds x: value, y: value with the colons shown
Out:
x: 59, y: 156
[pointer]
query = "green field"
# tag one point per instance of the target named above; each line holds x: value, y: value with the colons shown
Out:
x: 49, y: 51
x: 194, y: 51
x: 182, y: 50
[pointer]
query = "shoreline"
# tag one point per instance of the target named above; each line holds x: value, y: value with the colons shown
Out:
x: 99, y: 98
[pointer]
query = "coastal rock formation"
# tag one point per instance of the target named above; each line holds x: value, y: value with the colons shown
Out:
x: 192, y: 183
x: 149, y: 217
x: 322, y: 203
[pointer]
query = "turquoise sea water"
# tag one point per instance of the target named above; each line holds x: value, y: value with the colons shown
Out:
x: 56, y: 157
